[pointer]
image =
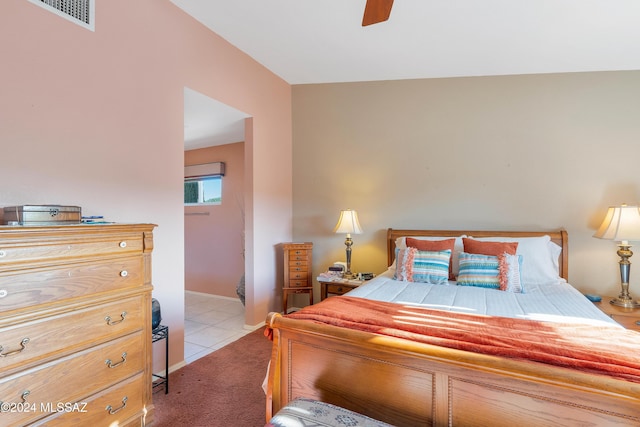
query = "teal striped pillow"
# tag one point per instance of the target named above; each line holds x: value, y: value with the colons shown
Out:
x: 493, y: 272
x: 479, y: 270
x: 423, y: 266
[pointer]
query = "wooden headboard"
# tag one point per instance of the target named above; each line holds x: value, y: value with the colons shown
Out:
x: 559, y: 237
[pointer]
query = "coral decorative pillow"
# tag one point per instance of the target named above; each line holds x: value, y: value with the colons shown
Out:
x: 423, y: 266
x: 433, y: 245
x: 472, y: 246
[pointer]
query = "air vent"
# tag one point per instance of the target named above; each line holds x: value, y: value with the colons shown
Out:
x: 79, y: 11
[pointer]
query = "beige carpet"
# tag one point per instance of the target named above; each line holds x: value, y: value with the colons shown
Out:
x: 223, y: 388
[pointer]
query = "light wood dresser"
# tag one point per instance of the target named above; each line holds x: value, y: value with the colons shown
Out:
x: 75, y: 325
x: 297, y: 271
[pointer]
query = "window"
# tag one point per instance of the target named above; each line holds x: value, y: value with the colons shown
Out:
x: 203, y: 184
x: 200, y: 191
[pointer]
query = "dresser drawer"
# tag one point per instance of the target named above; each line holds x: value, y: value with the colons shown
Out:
x: 298, y: 283
x: 293, y: 268
x: 629, y: 322
x: 338, y: 289
x: 298, y: 290
x: 299, y: 255
x: 298, y: 275
x: 117, y: 406
x: 29, y: 288
x: 61, y: 249
x: 293, y: 264
x: 627, y: 317
x: 104, y: 365
x: 56, y: 336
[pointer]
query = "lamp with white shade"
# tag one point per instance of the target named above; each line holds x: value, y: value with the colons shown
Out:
x: 622, y: 223
x: 348, y: 223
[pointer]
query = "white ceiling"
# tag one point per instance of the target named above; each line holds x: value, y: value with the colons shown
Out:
x: 322, y: 41
x: 208, y: 122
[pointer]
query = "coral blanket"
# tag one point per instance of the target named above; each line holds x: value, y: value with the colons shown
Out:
x: 606, y: 349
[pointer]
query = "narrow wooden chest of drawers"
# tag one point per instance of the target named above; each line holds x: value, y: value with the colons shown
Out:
x: 297, y: 271
x: 75, y: 325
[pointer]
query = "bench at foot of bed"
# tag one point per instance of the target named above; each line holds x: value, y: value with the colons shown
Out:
x: 300, y: 412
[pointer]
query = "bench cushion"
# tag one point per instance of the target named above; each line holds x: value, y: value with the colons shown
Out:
x: 304, y: 412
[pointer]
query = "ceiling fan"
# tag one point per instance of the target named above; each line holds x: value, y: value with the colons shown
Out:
x: 376, y: 11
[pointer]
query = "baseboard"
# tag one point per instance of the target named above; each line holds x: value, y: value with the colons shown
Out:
x: 254, y: 327
x: 177, y: 366
x: 292, y: 309
x: 204, y: 294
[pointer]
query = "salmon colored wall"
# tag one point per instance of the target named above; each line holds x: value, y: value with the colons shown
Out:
x: 233, y: 78
x: 95, y: 119
x: 214, y: 260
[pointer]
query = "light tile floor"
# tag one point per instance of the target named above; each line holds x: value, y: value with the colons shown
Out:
x: 211, y: 322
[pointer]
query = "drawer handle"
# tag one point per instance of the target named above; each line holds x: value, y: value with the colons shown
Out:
x: 124, y: 273
x: 6, y: 406
x: 115, y: 411
x: 637, y: 322
x: 23, y: 344
x: 3, y: 293
x: 111, y: 322
x: 123, y: 244
x: 3, y: 253
x: 112, y: 365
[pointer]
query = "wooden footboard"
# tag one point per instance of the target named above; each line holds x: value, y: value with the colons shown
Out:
x: 412, y: 384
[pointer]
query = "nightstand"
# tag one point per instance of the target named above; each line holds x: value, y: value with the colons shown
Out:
x: 336, y: 286
x: 627, y: 317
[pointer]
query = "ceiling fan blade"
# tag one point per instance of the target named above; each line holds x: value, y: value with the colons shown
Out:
x: 376, y: 11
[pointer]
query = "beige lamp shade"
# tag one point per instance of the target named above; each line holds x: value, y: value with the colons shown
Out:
x: 348, y: 223
x: 622, y: 223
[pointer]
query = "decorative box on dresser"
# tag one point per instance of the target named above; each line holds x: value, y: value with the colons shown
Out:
x: 297, y: 271
x: 75, y: 325
x: 627, y: 317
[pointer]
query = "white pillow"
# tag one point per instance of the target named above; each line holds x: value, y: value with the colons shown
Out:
x: 458, y: 248
x: 539, y: 258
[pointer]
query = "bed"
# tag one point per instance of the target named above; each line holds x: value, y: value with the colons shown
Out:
x: 409, y: 378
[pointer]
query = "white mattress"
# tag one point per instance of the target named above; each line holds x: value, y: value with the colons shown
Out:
x: 559, y: 302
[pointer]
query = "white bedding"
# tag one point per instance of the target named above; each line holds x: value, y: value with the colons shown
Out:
x: 558, y: 302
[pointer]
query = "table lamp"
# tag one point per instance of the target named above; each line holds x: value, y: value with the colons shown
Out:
x: 622, y: 223
x: 348, y: 223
